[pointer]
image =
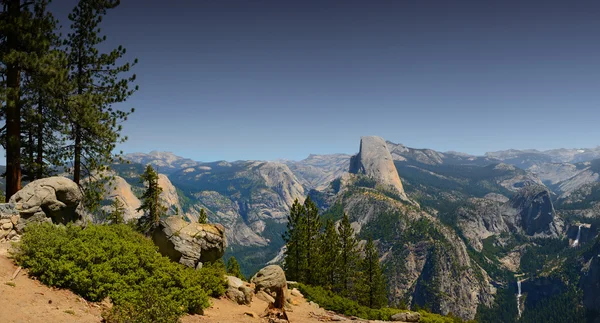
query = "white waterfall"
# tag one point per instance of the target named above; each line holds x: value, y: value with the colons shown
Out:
x: 576, y: 242
x: 519, y: 297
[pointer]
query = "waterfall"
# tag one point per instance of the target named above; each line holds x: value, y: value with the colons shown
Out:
x: 519, y: 297
x: 576, y: 242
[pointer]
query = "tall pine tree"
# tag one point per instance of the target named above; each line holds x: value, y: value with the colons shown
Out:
x: 312, y: 231
x: 98, y: 84
x: 153, y: 209
x: 348, y: 257
x: 371, y: 287
x: 294, y: 262
x: 26, y: 34
x: 329, y: 256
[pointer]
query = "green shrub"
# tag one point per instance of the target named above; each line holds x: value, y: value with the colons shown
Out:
x: 117, y: 262
x: 333, y: 302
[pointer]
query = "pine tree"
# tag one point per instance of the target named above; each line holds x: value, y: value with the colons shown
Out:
x: 26, y: 33
x: 348, y: 257
x: 202, y: 218
x: 94, y: 124
x: 329, y: 254
x: 233, y: 268
x: 44, y: 90
x: 372, y: 292
x: 312, y: 230
x: 153, y: 210
x: 294, y: 261
x: 117, y: 214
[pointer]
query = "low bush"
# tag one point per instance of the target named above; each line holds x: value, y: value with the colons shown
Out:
x: 115, y: 261
x: 333, y: 302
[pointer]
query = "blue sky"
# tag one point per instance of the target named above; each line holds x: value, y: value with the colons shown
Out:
x: 267, y: 79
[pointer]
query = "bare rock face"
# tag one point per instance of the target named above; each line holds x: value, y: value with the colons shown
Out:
x: 537, y: 215
x: 375, y: 161
x: 406, y: 317
x: 271, y: 279
x: 188, y: 243
x: 168, y: 196
x: 56, y: 198
x: 121, y: 190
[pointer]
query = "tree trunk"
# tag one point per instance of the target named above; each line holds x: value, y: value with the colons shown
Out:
x: 40, y: 144
x: 77, y: 159
x: 13, y: 112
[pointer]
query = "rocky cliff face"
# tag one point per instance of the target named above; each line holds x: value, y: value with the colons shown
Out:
x: 375, y: 161
x: 529, y: 211
x: 425, y: 259
x: 246, y: 197
x: 536, y: 214
x: 318, y: 171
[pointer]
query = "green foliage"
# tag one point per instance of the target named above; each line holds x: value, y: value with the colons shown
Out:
x: 503, y: 310
x: 348, y: 259
x: 233, y: 268
x: 94, y: 124
x: 564, y: 307
x: 114, y: 261
x: 371, y: 287
x: 116, y: 215
x: 329, y: 246
x: 334, y: 302
x: 153, y: 209
x: 202, y: 218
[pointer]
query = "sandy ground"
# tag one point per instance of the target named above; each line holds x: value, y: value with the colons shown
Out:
x: 30, y: 301
x: 224, y: 311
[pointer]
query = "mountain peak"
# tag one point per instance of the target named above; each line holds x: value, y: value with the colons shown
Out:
x: 375, y: 161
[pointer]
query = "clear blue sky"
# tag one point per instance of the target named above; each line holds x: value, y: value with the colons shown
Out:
x: 260, y: 79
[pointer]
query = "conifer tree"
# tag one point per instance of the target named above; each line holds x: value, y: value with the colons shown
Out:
x: 98, y: 84
x: 329, y: 254
x: 312, y: 230
x: 348, y: 257
x: 44, y: 90
x: 153, y: 209
x: 117, y: 214
x: 26, y: 33
x: 202, y: 217
x: 294, y: 261
x: 233, y: 268
x: 371, y: 289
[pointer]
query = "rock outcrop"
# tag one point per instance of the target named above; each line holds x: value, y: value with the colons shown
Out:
x: 529, y: 211
x: 406, y: 317
x: 188, y: 243
x: 56, y: 198
x: 375, y: 161
x: 121, y: 190
x: 271, y: 279
x: 239, y: 291
x: 536, y: 212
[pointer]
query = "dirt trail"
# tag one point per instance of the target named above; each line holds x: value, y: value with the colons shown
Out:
x: 31, y: 301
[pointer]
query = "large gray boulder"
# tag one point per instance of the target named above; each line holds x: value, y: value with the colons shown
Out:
x: 188, y: 243
x: 375, y: 161
x: 56, y: 198
x: 271, y: 279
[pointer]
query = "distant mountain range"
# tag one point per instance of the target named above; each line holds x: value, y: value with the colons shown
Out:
x: 452, y: 229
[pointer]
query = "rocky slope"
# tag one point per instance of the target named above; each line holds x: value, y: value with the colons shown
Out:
x: 428, y: 264
x: 529, y: 212
x: 164, y: 162
x: 318, y: 171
